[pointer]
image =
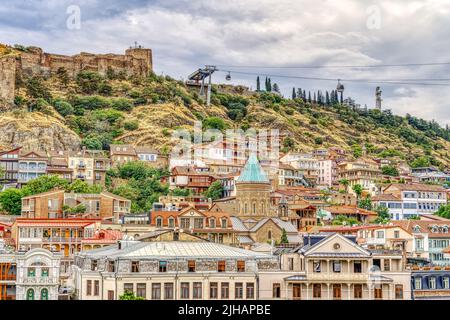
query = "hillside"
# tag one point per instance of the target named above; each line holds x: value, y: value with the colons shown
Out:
x: 60, y: 112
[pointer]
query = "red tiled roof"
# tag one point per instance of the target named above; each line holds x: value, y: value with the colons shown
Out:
x: 336, y: 210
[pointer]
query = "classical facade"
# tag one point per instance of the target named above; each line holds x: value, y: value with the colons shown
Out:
x: 37, y: 275
x: 169, y: 270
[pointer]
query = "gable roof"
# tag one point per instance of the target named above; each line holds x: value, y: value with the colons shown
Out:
x: 309, y: 250
x: 253, y: 172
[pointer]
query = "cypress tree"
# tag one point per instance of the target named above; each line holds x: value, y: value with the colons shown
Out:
x: 299, y: 93
x: 314, y: 100
x: 304, y: 95
x: 294, y: 94
x: 327, y: 98
x: 309, y: 96
x: 269, y: 85
x: 258, y: 85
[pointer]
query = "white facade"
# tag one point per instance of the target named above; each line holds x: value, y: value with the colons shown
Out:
x: 37, y: 275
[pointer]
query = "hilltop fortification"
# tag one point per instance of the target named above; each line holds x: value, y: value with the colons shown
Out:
x: 34, y: 61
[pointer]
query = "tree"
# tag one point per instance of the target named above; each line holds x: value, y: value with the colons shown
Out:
x: 128, y: 295
x: 421, y: 162
x: 214, y: 191
x: 45, y: 183
x: 357, y: 188
x: 178, y: 192
x: 327, y: 98
x: 344, y: 221
x: 365, y: 203
x: 309, y: 97
x: 36, y: 88
x: 63, y: 76
x: 345, y: 183
x: 294, y: 94
x: 443, y: 211
x: 11, y: 201
x: 2, y: 173
x: 214, y: 123
x: 284, y: 238
x: 64, y: 108
x: 276, y: 88
x: 390, y: 171
x: 88, y: 81
x: 258, y: 85
x: 383, y: 215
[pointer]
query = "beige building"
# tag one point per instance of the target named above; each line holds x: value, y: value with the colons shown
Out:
x: 363, y: 171
x: 334, y: 267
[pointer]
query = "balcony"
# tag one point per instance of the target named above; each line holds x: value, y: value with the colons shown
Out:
x: 40, y: 280
x: 375, y: 241
x: 61, y: 239
x: 81, y: 166
x: 341, y: 276
x: 121, y: 209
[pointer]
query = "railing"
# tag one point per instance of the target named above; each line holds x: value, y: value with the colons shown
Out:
x: 62, y: 239
x: 342, y: 276
x: 40, y: 280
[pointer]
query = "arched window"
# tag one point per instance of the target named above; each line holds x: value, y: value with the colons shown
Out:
x: 269, y: 235
x: 212, y: 222
x: 171, y: 222
x: 30, y: 294
x: 224, y: 222
x: 254, y: 208
x: 44, y: 294
x: 159, y: 222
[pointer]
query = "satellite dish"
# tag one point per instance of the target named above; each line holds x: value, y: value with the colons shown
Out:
x: 228, y: 76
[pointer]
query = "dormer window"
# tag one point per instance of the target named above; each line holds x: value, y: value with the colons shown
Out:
x: 416, y: 229
x: 212, y: 222
x: 224, y: 222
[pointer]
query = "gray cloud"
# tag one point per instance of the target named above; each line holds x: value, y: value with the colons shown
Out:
x: 185, y: 35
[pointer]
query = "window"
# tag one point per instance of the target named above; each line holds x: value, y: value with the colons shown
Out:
x: 238, y: 290
x: 197, y: 290
x: 185, y: 290
x: 225, y: 290
x: 198, y: 223
x: 357, y: 291
x: 276, y: 290
x: 163, y: 266
x: 221, y: 266
x: 159, y: 222
x: 184, y: 223
x: 110, y: 295
x: 432, y: 283
x: 168, y: 291
x: 250, y: 290
x: 171, y: 222
x: 317, y: 290
x: 94, y: 265
x: 213, y: 290
x: 445, y: 282
x: 269, y: 235
x: 111, y: 266
x: 241, y: 266
x: 44, y: 272
x: 396, y: 234
x: 291, y: 264
x: 398, y: 291
x: 96, y: 287
x: 417, y: 283
x: 191, y: 265
x: 387, y: 265
x: 378, y: 292
x: 128, y: 287
x: 212, y: 222
x: 316, y: 266
x: 224, y: 222
x: 134, y: 266
x: 156, y: 291
x: 357, y: 266
x: 89, y: 287
x: 380, y: 234
x: 336, y: 266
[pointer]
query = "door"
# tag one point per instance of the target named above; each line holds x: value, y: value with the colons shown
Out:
x: 30, y: 294
x: 296, y: 291
x: 336, y: 291
x: 66, y: 250
x: 110, y: 295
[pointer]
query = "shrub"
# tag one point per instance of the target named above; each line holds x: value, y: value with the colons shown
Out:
x: 64, y: 108
x: 122, y: 104
x: 88, y: 81
x: 131, y: 125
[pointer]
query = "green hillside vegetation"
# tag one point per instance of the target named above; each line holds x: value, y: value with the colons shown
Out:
x: 144, y: 111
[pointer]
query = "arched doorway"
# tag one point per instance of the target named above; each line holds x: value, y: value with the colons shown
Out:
x: 30, y: 294
x: 44, y: 294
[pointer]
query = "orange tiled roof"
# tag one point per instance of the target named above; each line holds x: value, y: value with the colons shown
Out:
x: 336, y: 210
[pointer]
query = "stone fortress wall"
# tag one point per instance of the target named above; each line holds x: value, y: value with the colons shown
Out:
x: 34, y: 61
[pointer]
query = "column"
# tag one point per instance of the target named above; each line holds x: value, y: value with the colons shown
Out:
x: 307, y: 291
x: 348, y: 291
x: 328, y: 294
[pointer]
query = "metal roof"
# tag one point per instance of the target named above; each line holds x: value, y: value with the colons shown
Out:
x: 175, y: 249
x: 253, y: 172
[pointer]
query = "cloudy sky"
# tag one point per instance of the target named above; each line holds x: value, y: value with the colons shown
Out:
x: 188, y: 34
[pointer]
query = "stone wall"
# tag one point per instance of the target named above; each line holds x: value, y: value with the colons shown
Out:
x: 135, y: 61
x: 7, y: 81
